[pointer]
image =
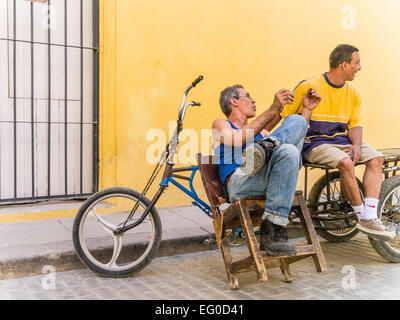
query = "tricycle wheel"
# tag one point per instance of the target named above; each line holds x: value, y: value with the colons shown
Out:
x: 389, y: 213
x: 338, y: 207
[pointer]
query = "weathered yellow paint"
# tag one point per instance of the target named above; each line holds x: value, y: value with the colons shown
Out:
x: 35, y: 216
x: 152, y: 49
x: 50, y: 215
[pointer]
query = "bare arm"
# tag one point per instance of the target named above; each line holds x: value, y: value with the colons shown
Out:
x: 355, y: 136
x: 223, y: 133
x: 272, y: 124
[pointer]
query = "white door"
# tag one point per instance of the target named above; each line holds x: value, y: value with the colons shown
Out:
x: 48, y: 103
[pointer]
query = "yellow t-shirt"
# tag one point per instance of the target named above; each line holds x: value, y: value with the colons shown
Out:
x: 338, y: 111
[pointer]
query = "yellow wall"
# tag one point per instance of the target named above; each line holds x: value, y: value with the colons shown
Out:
x: 152, y: 49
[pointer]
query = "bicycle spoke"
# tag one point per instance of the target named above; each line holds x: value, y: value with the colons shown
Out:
x: 108, y: 227
x: 336, y: 191
x: 117, y: 250
x: 336, y: 206
x: 396, y: 194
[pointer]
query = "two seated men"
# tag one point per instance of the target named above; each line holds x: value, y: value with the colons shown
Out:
x: 321, y: 124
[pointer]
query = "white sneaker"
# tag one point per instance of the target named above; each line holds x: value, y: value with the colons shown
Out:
x: 375, y: 229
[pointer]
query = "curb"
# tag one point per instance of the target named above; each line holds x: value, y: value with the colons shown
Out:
x: 68, y: 259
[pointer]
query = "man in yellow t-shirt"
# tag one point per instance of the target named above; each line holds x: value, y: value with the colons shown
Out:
x: 334, y: 136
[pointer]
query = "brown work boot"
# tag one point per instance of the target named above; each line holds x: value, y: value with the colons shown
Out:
x: 375, y: 229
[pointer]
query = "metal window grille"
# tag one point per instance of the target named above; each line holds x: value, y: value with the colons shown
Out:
x: 48, y: 99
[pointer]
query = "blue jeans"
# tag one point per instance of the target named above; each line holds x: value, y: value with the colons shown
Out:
x: 277, y: 179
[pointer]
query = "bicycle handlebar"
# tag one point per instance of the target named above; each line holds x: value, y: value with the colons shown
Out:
x: 173, y: 144
x: 195, y: 82
x: 183, y: 107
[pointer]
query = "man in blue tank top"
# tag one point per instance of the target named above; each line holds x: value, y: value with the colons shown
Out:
x: 252, y: 161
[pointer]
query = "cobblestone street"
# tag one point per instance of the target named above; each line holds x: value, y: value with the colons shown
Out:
x: 355, y: 271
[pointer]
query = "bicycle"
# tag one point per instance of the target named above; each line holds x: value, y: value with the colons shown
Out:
x: 125, y: 214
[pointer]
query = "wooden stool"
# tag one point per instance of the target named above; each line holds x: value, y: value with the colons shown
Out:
x: 246, y: 214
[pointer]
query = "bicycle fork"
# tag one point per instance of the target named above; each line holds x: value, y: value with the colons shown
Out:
x: 130, y: 225
x: 163, y: 186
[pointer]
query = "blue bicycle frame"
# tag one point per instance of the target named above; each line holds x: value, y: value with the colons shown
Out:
x: 191, y: 193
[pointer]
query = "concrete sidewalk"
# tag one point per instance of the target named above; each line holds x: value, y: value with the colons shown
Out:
x: 27, y: 246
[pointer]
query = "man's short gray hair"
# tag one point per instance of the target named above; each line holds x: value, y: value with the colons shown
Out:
x: 342, y: 53
x: 226, y: 95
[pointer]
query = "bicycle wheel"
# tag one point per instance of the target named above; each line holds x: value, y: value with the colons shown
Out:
x: 389, y: 213
x: 338, y: 207
x: 235, y: 237
x: 115, y: 255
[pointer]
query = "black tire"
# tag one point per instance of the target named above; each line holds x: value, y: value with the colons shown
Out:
x: 389, y: 213
x: 318, y: 194
x: 94, y: 240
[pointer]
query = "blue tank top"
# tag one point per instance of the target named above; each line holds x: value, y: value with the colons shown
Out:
x: 229, y: 158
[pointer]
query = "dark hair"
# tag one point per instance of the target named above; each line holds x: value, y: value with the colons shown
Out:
x: 340, y: 54
x: 226, y: 95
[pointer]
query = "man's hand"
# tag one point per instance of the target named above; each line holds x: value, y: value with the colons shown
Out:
x: 311, y: 99
x: 354, y: 153
x: 281, y: 99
